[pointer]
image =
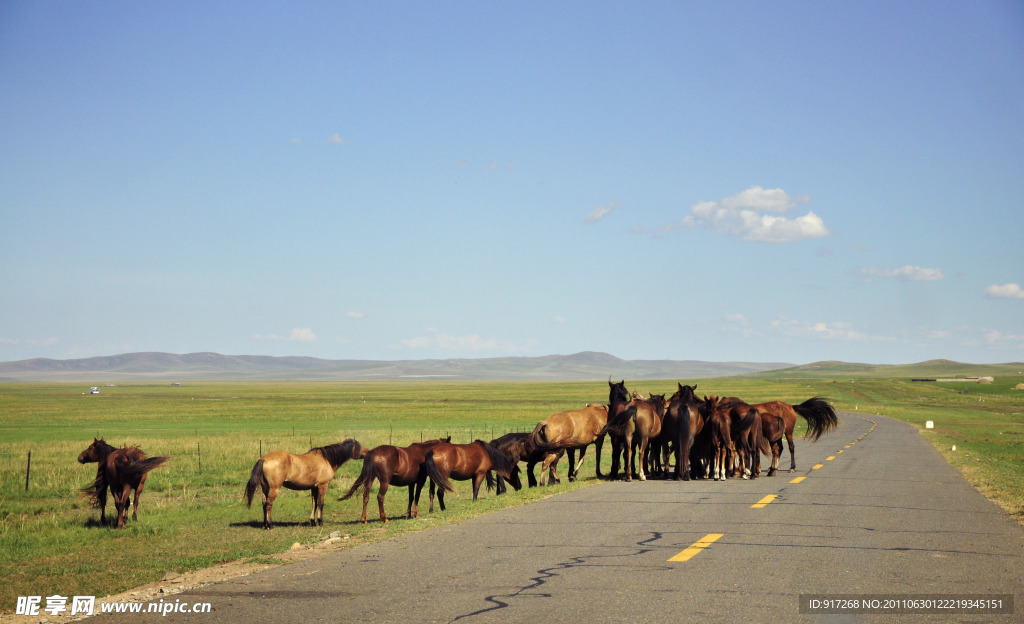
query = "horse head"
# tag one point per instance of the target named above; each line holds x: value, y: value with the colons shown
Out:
x: 93, y: 452
x: 617, y: 392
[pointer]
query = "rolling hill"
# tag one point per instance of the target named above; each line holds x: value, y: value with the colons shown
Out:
x: 214, y: 366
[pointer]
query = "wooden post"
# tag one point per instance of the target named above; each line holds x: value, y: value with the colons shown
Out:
x: 28, y: 469
x: 199, y: 454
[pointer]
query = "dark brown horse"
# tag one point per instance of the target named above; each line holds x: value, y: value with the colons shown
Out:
x: 521, y: 447
x: 717, y: 437
x: 684, y: 420
x: 572, y: 430
x: 121, y: 470
x: 392, y: 465
x: 465, y: 462
x: 631, y: 418
x: 313, y: 470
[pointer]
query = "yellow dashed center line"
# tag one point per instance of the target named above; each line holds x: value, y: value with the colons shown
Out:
x: 764, y: 501
x: 798, y: 479
x: 817, y: 466
x: 830, y: 458
x: 697, y: 546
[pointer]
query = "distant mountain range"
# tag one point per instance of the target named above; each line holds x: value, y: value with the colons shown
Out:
x: 583, y: 366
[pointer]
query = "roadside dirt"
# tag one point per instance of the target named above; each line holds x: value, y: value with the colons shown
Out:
x: 174, y: 583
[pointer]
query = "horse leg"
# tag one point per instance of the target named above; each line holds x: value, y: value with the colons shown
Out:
x: 322, y: 490
x: 598, y: 443
x: 138, y: 493
x: 431, y: 490
x: 641, y: 462
x: 269, y: 496
x: 628, y: 459
x: 101, y: 500
x: 121, y: 501
x: 312, y: 514
x: 572, y: 464
x: 440, y: 498
x: 776, y: 454
x: 530, y: 479
x: 477, y: 480
x: 792, y: 453
x: 380, y: 499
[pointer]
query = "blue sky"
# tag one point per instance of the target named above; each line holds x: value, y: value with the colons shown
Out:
x: 753, y: 181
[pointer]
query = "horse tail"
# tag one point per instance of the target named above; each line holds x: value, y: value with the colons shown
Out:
x: 490, y: 480
x: 366, y: 475
x: 620, y: 424
x: 140, y: 467
x: 254, y: 481
x: 820, y: 416
x: 97, y: 487
x: 435, y: 475
x: 539, y: 435
x: 761, y: 443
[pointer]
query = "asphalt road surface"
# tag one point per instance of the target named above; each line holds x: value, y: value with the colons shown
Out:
x: 873, y: 513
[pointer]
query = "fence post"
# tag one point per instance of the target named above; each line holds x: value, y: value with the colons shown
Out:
x: 28, y: 469
x: 199, y: 454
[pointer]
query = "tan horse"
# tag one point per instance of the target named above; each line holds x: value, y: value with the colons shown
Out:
x: 573, y: 430
x: 313, y: 470
x: 393, y: 465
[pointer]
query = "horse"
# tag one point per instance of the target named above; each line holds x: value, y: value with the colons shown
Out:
x: 313, y: 470
x: 634, y: 417
x: 392, y: 465
x: 572, y: 430
x: 122, y: 470
x: 747, y: 434
x: 463, y: 462
x: 520, y: 447
x: 717, y: 437
x: 683, y: 422
x: 819, y: 414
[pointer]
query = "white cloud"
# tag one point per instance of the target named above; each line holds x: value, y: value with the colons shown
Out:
x: 737, y: 318
x: 352, y: 314
x: 302, y: 334
x: 559, y: 319
x: 743, y: 215
x: 908, y: 273
x: 335, y: 139
x: 472, y: 342
x: 821, y: 330
x: 1004, y: 291
x: 601, y: 212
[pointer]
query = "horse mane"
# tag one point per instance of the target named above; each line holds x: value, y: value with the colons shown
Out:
x: 340, y: 452
x: 501, y: 461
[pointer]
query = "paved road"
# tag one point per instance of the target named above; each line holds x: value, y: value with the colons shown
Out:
x: 883, y: 514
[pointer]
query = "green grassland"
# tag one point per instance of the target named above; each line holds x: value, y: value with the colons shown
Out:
x: 192, y: 513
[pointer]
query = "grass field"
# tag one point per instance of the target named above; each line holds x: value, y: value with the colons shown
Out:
x: 192, y: 514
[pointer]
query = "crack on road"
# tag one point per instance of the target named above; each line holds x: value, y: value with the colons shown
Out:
x: 544, y: 575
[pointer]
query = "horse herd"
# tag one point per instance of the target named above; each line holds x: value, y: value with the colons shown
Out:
x: 707, y: 438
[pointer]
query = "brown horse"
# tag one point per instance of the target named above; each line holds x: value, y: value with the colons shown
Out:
x: 313, y: 470
x: 747, y: 434
x: 683, y: 422
x: 816, y: 411
x: 629, y: 418
x: 717, y: 437
x: 122, y: 470
x: 521, y: 447
x: 392, y: 465
x: 464, y: 462
x: 573, y: 430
